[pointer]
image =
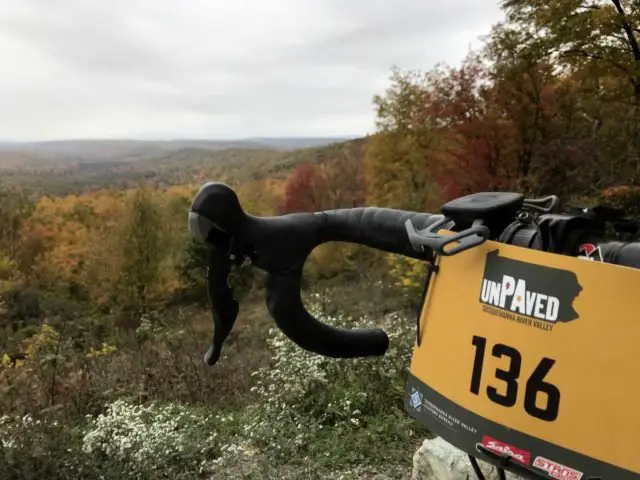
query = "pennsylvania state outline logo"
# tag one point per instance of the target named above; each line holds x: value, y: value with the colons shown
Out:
x: 531, y: 294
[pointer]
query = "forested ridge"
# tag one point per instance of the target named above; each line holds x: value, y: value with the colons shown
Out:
x: 102, y: 303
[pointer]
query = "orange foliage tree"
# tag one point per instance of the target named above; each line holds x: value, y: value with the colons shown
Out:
x: 304, y: 189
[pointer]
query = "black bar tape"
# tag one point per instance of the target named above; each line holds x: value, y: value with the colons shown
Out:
x: 285, y: 306
x: 379, y: 228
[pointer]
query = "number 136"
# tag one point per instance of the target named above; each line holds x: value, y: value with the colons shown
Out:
x: 534, y: 385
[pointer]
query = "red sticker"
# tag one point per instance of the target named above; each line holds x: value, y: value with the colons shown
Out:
x: 591, y: 252
x: 587, y: 248
x: 501, y: 448
x: 556, y: 470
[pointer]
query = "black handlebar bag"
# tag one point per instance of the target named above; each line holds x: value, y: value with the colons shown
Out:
x: 530, y: 361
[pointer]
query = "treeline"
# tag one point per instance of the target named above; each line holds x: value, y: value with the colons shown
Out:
x: 102, y: 293
x: 125, y: 252
x: 549, y: 105
x: 57, y: 176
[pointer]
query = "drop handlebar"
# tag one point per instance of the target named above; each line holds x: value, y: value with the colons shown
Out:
x: 280, y: 245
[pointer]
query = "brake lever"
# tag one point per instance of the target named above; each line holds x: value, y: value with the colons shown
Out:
x: 224, y: 308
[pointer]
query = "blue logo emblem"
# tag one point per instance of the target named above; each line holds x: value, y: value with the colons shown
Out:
x: 415, y: 399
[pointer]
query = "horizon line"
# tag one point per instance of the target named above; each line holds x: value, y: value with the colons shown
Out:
x: 179, y: 139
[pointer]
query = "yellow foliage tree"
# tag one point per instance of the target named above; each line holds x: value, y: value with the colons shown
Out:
x: 400, y: 160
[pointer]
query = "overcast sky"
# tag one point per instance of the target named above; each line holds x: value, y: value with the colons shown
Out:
x: 155, y: 69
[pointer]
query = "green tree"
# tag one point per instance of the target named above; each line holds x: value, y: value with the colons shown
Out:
x: 600, y: 35
x: 399, y: 158
x: 15, y: 208
x: 143, y: 247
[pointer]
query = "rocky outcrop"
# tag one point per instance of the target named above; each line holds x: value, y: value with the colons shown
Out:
x: 439, y: 460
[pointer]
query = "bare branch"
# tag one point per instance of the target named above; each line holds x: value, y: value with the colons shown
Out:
x: 594, y: 56
x: 633, y: 41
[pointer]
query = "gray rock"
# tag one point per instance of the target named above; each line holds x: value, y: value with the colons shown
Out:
x: 439, y: 460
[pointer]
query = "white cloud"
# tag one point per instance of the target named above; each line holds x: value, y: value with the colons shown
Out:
x: 208, y: 68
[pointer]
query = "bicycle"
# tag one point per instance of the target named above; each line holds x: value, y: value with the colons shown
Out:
x: 280, y: 245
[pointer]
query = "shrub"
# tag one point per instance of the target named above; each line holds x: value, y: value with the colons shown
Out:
x: 332, y: 410
x: 126, y: 441
x: 33, y: 447
x: 409, y: 275
x: 152, y: 441
x: 624, y: 197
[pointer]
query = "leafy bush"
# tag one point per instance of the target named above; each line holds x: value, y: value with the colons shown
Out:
x: 624, y: 197
x: 37, y: 448
x: 409, y: 275
x: 333, y: 410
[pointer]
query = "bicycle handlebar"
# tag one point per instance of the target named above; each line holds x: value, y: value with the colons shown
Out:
x: 280, y: 245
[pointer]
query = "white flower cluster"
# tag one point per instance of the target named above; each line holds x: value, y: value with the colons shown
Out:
x: 12, y: 429
x: 15, y: 429
x: 150, y: 438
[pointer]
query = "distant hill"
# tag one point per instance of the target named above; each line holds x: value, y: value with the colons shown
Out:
x: 122, y: 164
x: 75, y: 152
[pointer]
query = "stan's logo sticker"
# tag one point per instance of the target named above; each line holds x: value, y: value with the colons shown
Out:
x: 528, y: 293
x: 556, y: 470
x: 504, y: 449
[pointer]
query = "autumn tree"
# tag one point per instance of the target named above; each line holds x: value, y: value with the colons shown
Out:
x: 476, y: 139
x: 260, y: 197
x: 548, y: 149
x: 344, y: 176
x: 303, y: 190
x: 523, y: 113
x: 400, y: 158
x: 595, y: 43
x: 526, y: 113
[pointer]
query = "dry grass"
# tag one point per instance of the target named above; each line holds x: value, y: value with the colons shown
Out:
x: 163, y: 363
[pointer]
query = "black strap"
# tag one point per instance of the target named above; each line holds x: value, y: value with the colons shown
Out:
x: 431, y: 269
x: 528, y: 231
x: 507, y: 234
x: 476, y: 467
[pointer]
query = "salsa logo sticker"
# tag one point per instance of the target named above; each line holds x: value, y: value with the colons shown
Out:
x: 556, y: 470
x: 527, y: 293
x: 504, y: 449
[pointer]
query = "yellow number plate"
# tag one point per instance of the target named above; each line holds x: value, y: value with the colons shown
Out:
x: 535, y: 357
